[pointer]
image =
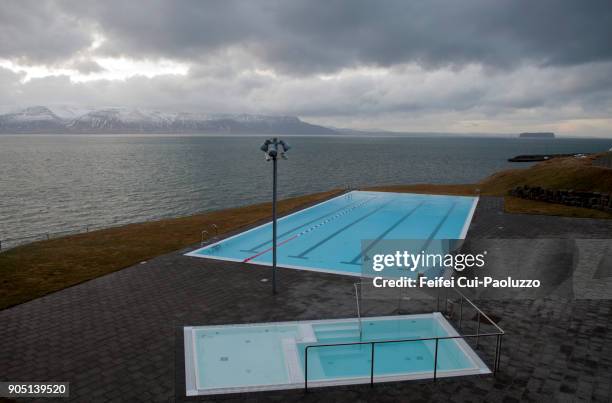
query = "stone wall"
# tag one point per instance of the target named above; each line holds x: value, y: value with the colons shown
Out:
x: 604, y: 161
x: 593, y: 200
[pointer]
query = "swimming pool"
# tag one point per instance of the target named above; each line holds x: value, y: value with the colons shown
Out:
x: 327, y: 237
x: 271, y: 356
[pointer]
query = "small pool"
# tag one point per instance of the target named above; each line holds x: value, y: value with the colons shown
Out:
x: 327, y: 237
x: 271, y: 356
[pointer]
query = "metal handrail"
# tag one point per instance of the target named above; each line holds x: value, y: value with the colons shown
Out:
x: 480, y: 312
x: 213, y: 227
x: 437, y: 339
x: 358, y: 311
x: 499, y: 334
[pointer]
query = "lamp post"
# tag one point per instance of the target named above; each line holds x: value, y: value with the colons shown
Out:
x: 272, y: 151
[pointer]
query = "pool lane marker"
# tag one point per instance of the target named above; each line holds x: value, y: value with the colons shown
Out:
x: 427, y: 242
x: 439, y: 226
x: 248, y: 259
x: 437, y: 229
x: 254, y: 248
x: 384, y: 234
x: 341, y: 214
x: 321, y: 242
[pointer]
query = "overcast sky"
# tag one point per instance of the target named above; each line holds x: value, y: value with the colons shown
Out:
x: 449, y: 66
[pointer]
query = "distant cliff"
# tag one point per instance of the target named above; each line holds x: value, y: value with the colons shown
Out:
x: 538, y: 135
x: 40, y: 119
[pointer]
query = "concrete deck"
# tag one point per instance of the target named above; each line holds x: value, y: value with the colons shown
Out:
x: 118, y: 337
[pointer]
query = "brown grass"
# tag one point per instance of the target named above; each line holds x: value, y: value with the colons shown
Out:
x: 33, y: 270
x: 456, y: 190
x: 558, y: 173
x: 517, y: 205
x: 39, y: 268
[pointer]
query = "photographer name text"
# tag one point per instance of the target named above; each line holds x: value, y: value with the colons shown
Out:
x: 462, y: 282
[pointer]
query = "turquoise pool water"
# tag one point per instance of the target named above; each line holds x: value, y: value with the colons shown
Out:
x: 231, y: 358
x: 390, y: 358
x: 327, y: 236
x: 242, y: 356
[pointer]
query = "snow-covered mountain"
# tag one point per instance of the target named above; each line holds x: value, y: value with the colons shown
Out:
x: 40, y: 119
x: 30, y: 120
x: 116, y: 120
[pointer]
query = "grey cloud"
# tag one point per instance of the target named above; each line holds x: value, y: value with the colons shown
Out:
x: 403, y: 99
x: 399, y: 91
x: 9, y: 84
x: 308, y: 36
x: 86, y: 66
x: 161, y: 28
x: 475, y: 60
x: 40, y: 32
x: 303, y: 37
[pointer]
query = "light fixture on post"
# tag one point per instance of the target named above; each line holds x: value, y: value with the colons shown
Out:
x: 273, y: 149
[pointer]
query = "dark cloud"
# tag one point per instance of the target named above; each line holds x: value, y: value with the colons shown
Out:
x: 35, y: 32
x: 308, y: 36
x: 190, y: 29
x: 444, y: 65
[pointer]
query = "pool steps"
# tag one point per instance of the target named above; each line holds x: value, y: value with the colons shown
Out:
x: 306, y: 334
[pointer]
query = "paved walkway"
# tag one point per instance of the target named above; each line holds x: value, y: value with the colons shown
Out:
x: 115, y: 338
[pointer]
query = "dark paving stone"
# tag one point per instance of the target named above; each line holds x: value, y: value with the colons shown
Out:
x: 115, y: 338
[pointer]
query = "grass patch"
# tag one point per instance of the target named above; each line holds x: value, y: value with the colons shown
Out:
x: 40, y: 268
x: 557, y: 173
x: 455, y: 190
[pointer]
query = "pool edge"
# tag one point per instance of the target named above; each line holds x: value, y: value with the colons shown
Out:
x: 194, y: 253
x: 480, y: 368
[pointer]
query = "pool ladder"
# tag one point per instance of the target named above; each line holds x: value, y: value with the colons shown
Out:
x: 206, y: 233
x: 356, y: 285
